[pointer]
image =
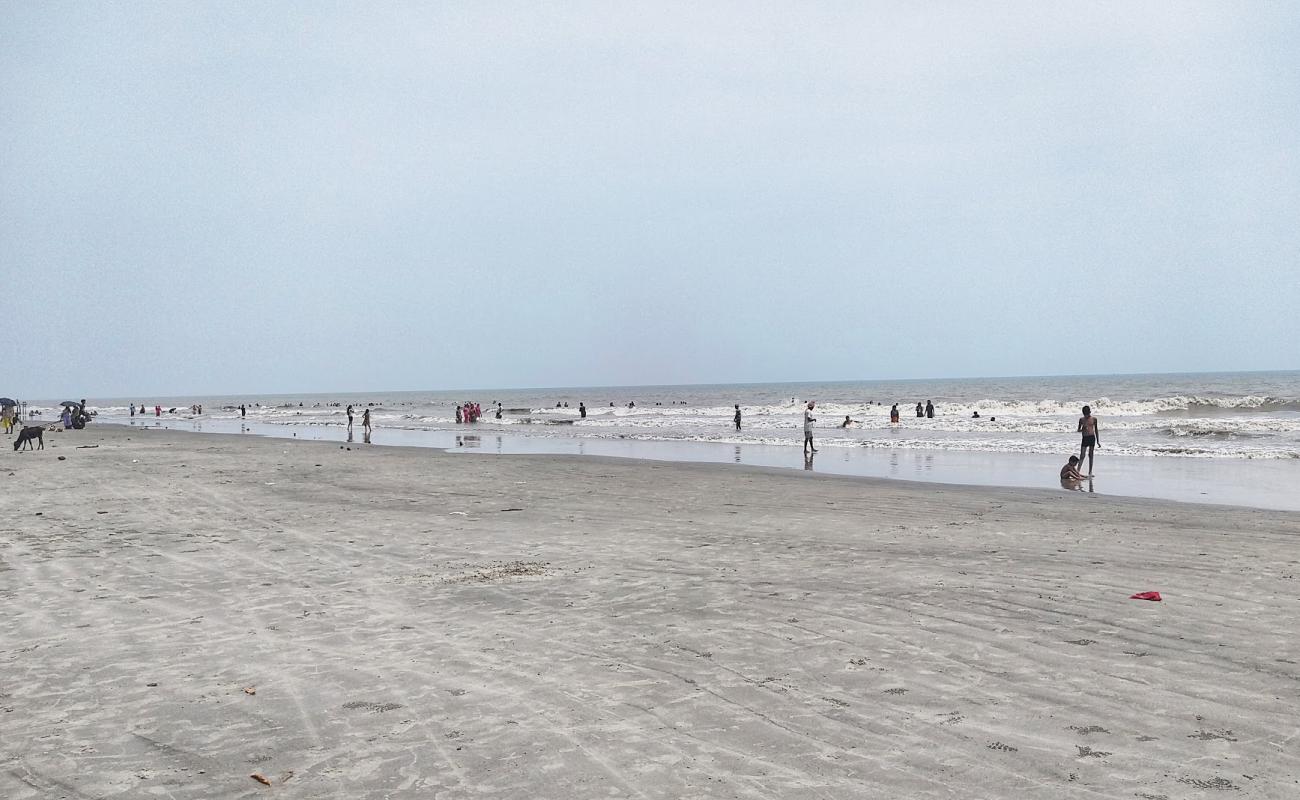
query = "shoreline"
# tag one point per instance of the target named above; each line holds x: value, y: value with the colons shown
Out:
x: 1264, y: 483
x: 182, y: 611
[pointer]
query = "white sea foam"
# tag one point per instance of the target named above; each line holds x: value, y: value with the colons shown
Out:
x: 1227, y: 416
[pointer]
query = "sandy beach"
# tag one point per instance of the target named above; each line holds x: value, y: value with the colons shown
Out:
x: 184, y: 611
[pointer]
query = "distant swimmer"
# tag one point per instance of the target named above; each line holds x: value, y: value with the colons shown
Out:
x: 737, y: 416
x: 1091, y: 436
x: 893, y: 415
x: 808, y: 420
x: 976, y: 415
x: 920, y: 410
x: 929, y: 409
x: 847, y: 422
x: 1070, y: 472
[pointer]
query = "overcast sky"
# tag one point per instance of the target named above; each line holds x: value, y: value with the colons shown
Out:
x: 275, y: 197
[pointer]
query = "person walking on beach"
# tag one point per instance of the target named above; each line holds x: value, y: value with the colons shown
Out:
x: 808, y: 420
x: 929, y: 409
x: 737, y: 416
x: 365, y: 421
x: 349, y: 417
x: 1088, y: 427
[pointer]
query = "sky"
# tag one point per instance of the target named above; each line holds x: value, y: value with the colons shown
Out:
x: 300, y: 197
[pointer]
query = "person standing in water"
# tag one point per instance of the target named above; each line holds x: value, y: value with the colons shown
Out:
x: 929, y: 409
x: 582, y: 410
x: 893, y: 415
x: 737, y: 416
x: 808, y: 420
x: 1088, y: 427
x: 365, y: 421
x: 349, y: 417
x: 920, y: 410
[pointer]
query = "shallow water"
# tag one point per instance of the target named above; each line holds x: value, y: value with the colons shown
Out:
x: 1231, y: 415
x: 1259, y: 483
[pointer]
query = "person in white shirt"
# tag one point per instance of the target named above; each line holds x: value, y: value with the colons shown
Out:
x: 808, y: 420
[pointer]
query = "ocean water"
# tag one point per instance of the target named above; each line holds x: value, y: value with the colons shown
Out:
x: 1169, y: 416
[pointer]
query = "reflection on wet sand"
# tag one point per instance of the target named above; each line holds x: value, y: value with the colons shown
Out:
x: 808, y: 460
x: 1076, y: 485
x: 737, y: 454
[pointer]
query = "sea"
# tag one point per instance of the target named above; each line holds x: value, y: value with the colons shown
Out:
x: 1230, y: 438
x: 1254, y: 415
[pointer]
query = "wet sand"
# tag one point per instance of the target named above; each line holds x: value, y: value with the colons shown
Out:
x: 393, y: 622
x: 1258, y: 483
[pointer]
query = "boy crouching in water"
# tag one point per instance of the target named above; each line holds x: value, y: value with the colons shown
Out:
x: 1070, y: 472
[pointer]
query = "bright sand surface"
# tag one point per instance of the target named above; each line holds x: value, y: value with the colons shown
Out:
x: 181, y: 611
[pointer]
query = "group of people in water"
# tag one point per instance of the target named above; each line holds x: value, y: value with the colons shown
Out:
x: 195, y: 409
x: 469, y: 413
x: 1072, y: 475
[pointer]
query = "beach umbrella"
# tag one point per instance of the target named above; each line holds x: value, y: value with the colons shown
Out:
x: 5, y: 401
x: 66, y: 403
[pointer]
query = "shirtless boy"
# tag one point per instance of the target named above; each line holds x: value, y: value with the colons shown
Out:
x: 1070, y: 472
x: 1088, y: 427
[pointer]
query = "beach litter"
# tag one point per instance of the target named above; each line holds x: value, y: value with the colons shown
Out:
x: 260, y: 778
x: 250, y: 690
x: 1146, y: 596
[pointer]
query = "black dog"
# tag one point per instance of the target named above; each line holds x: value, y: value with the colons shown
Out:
x: 27, y: 434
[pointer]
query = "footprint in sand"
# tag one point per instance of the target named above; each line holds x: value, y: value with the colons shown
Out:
x: 1088, y: 752
x: 1209, y: 783
x: 374, y: 708
x: 1206, y: 736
